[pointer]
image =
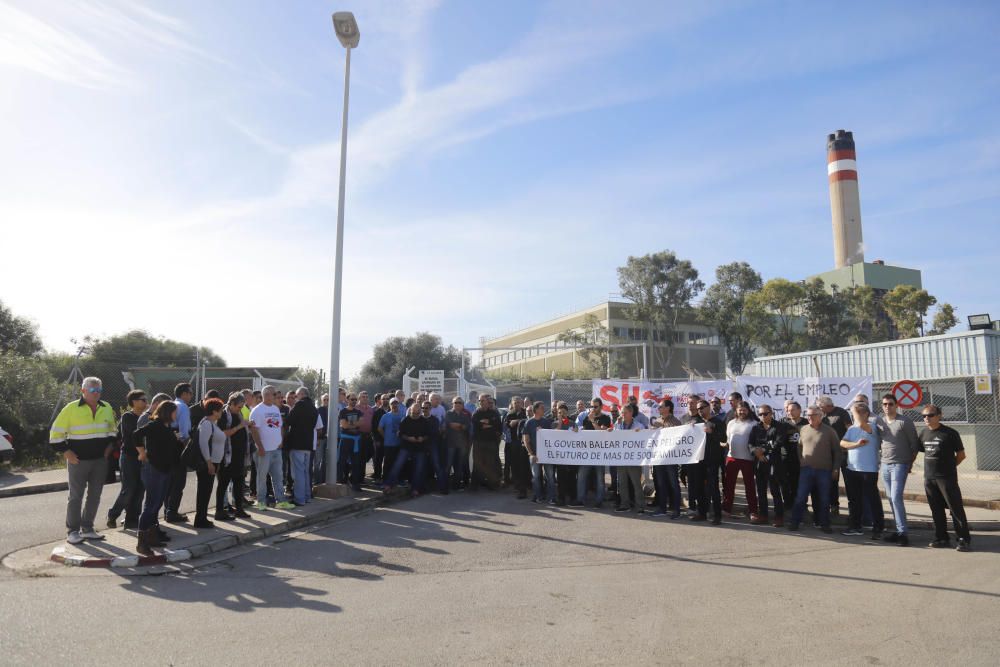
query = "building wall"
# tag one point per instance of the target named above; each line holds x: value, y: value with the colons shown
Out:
x: 696, y: 346
x: 877, y: 276
x: 957, y: 354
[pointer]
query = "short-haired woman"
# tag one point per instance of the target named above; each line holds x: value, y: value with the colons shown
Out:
x: 159, y: 450
x: 235, y: 427
x: 215, y: 450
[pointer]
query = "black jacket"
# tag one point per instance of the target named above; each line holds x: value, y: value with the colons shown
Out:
x: 301, y: 422
x: 163, y: 449
x: 773, y: 440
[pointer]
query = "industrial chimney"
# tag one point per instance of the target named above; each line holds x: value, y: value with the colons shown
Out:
x: 845, y: 203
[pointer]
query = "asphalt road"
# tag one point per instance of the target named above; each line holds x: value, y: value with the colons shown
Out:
x: 38, y: 518
x: 484, y: 578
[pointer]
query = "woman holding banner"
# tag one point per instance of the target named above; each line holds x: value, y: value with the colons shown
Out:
x: 740, y: 461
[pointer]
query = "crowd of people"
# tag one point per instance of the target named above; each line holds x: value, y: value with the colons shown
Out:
x: 417, y: 442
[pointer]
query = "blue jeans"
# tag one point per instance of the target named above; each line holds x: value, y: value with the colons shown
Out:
x: 583, y: 476
x: 130, y: 497
x: 156, y: 484
x: 270, y: 463
x: 894, y: 478
x: 808, y: 478
x: 419, y: 463
x: 299, y: 459
x: 667, y: 484
x: 549, y: 470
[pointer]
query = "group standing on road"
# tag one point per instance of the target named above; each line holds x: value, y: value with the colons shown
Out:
x: 416, y: 442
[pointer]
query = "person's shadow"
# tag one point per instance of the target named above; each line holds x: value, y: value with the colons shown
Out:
x: 263, y: 578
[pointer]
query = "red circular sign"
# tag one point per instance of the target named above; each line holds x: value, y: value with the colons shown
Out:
x: 908, y: 394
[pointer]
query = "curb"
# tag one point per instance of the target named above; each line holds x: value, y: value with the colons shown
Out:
x: 33, y: 489
x: 216, y: 545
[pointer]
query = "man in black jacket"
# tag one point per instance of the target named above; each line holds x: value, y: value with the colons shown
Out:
x: 303, y: 422
x: 130, y: 497
x: 768, y: 440
x: 487, y: 432
x: 706, y: 476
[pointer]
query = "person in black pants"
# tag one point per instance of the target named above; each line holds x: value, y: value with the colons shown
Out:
x: 767, y: 441
x: 130, y: 497
x: 178, y: 471
x: 520, y: 464
x: 237, y: 430
x: 711, y: 466
x: 943, y: 452
x: 487, y: 432
x: 215, y: 452
x: 565, y: 474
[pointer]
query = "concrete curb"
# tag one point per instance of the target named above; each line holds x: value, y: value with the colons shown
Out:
x: 224, y: 542
x: 33, y: 489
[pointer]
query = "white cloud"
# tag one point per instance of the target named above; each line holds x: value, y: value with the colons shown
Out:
x: 82, y: 43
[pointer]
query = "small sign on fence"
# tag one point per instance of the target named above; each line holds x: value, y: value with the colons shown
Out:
x: 431, y: 381
x: 984, y: 384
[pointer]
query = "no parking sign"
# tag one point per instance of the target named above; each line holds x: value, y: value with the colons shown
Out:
x: 908, y: 394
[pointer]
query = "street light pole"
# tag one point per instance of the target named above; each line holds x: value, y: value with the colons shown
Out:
x: 347, y: 32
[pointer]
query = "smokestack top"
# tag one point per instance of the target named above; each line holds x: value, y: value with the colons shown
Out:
x: 839, y: 141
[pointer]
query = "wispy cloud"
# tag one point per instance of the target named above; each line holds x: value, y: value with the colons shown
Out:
x: 88, y: 44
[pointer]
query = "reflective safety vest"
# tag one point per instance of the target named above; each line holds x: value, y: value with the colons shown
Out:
x: 85, y: 432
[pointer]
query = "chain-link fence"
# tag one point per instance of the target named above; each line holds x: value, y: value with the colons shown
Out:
x: 970, y: 405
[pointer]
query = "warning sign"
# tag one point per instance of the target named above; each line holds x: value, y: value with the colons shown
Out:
x: 908, y: 394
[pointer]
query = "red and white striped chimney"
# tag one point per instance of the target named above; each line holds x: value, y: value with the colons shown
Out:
x: 845, y: 201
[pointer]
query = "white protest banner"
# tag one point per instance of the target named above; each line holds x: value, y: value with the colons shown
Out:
x: 656, y: 446
x: 775, y: 391
x: 649, y: 394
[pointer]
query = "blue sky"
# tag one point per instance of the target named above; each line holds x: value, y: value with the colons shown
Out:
x: 504, y: 159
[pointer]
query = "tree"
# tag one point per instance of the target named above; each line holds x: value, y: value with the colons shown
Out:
x: 944, y: 320
x: 17, y: 334
x: 724, y: 308
x: 828, y: 319
x: 660, y: 287
x: 778, y: 303
x: 592, y: 338
x: 314, y: 380
x: 865, y: 308
x: 138, y: 348
x: 907, y: 307
x: 28, y: 393
x: 391, y: 358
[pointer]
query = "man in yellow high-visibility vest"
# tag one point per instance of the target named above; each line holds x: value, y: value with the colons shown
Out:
x: 84, y: 432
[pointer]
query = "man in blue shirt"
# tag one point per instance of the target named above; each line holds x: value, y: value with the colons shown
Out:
x: 388, y: 428
x: 178, y: 472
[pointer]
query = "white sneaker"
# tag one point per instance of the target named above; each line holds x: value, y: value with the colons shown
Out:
x: 74, y: 537
x: 90, y: 535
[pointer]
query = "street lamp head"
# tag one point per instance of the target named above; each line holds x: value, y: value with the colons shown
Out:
x: 347, y: 29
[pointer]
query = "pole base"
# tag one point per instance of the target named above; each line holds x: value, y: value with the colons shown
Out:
x: 331, y: 491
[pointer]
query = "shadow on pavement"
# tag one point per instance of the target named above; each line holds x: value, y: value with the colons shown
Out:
x: 988, y: 543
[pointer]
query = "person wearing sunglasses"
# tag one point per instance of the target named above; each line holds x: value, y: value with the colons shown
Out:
x: 768, y: 439
x: 899, y: 450
x: 943, y: 452
x: 84, y: 433
x: 129, y: 498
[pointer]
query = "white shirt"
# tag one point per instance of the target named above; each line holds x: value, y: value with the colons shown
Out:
x: 738, y: 433
x: 267, y: 419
